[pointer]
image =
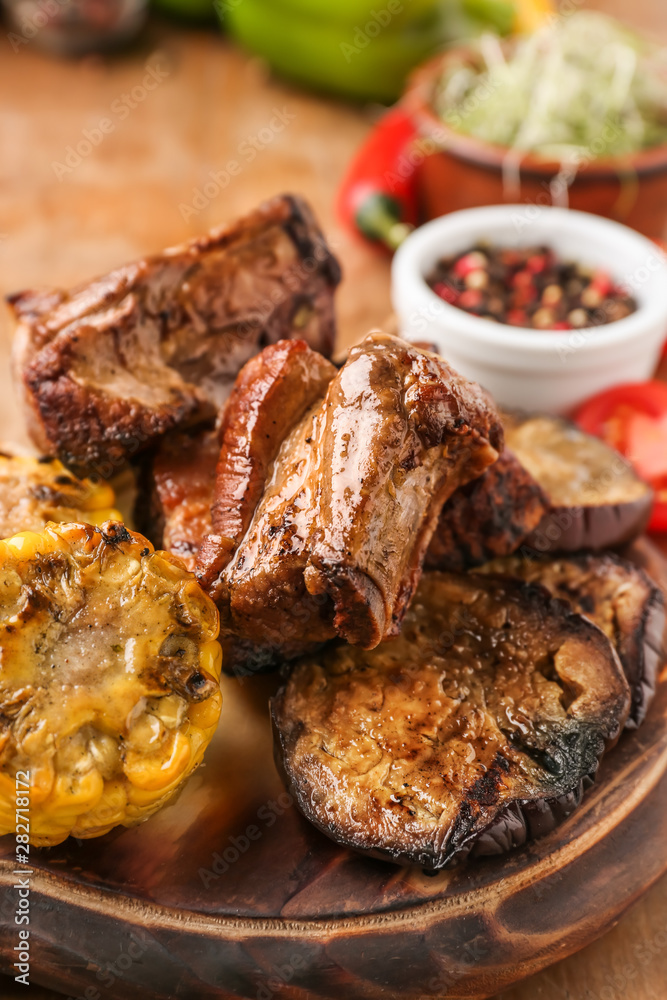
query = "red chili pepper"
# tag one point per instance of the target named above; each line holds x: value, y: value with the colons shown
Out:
x: 378, y: 197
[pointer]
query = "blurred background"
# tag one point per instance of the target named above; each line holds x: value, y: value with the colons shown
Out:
x: 189, y: 89
x: 128, y: 127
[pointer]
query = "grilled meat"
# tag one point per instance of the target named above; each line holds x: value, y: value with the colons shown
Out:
x: 488, y: 518
x: 596, y: 499
x: 470, y: 732
x: 174, y: 501
x: 329, y: 487
x: 619, y: 598
x: 181, y: 478
x: 554, y: 488
x: 271, y: 395
x: 109, y: 367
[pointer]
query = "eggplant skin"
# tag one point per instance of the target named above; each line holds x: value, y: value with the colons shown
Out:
x: 471, y: 732
x: 488, y: 518
x: 596, y: 500
x: 619, y: 597
x: 525, y: 821
x: 571, y: 529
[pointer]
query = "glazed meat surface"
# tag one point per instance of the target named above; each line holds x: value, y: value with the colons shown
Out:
x: 109, y: 367
x: 177, y: 491
x: 325, y: 507
x: 471, y: 731
x: 488, y: 518
x: 619, y: 597
x: 180, y: 481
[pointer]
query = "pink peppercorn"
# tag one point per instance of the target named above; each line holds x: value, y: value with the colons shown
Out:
x: 471, y: 299
x: 472, y: 261
x: 446, y: 292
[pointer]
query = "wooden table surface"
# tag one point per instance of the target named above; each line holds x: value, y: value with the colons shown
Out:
x: 127, y: 197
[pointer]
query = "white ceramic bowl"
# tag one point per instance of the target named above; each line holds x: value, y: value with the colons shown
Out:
x: 536, y: 369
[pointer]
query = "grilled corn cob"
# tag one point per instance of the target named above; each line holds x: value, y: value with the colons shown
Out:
x: 109, y: 676
x: 34, y: 491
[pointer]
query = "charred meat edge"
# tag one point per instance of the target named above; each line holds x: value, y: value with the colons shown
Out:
x: 271, y: 394
x: 439, y: 407
x: 175, y: 491
x: 444, y: 410
x: 488, y: 518
x: 92, y: 428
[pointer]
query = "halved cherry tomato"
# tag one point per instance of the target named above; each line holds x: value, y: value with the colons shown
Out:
x: 633, y: 419
x: 658, y: 520
x: 663, y: 246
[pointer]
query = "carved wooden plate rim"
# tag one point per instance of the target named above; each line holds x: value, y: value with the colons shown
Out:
x: 538, y: 864
x: 220, y: 946
x: 115, y: 904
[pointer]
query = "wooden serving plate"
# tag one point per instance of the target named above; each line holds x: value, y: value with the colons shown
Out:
x: 229, y: 892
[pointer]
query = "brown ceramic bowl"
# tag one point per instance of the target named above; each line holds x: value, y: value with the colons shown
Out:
x: 460, y: 171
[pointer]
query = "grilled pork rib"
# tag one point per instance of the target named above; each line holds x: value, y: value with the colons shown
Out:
x: 109, y: 367
x: 488, y: 518
x: 329, y: 487
x: 176, y: 491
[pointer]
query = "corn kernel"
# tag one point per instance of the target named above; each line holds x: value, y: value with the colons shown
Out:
x: 152, y: 772
x: 107, y: 728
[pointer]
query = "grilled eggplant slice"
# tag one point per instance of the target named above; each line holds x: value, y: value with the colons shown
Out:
x: 597, y: 500
x: 109, y: 367
x: 471, y: 731
x: 619, y: 597
x: 488, y: 518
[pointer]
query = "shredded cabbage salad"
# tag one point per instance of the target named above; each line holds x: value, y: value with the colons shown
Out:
x: 582, y: 86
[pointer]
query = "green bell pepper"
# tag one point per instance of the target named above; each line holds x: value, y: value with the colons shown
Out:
x: 356, y: 12
x: 367, y: 57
